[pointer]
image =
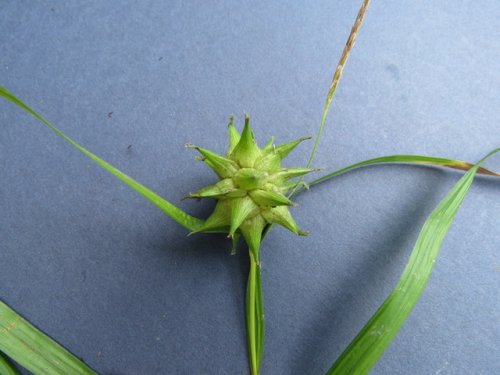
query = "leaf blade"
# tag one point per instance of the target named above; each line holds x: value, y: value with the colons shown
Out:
x: 34, y: 350
x: 186, y: 220
x: 371, y: 342
x: 7, y: 367
x: 403, y: 159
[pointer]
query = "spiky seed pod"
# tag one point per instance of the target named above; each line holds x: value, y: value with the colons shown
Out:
x: 252, y: 189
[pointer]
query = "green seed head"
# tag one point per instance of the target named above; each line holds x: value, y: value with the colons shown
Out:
x: 252, y: 189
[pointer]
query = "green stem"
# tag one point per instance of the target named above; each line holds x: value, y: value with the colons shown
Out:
x: 260, y: 317
x: 255, y: 314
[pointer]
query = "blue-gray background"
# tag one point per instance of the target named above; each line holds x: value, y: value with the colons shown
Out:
x: 106, y: 274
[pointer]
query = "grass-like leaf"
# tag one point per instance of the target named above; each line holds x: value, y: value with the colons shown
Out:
x: 371, y: 342
x: 7, y: 367
x: 174, y: 212
x: 406, y: 159
x: 34, y: 350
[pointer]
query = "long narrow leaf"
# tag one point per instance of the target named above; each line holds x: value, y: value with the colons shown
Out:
x: 6, y: 366
x: 407, y: 159
x: 369, y: 345
x: 34, y: 350
x: 174, y: 212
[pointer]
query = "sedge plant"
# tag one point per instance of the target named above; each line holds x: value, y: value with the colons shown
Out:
x: 253, y: 193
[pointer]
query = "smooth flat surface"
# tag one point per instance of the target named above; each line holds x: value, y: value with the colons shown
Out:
x: 106, y: 274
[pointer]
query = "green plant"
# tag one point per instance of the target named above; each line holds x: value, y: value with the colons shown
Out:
x: 253, y: 193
